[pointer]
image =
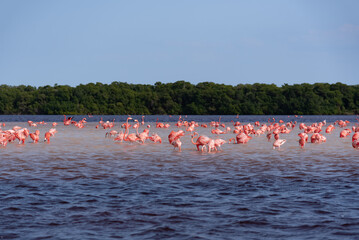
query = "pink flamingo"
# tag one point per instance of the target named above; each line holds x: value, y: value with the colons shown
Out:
x: 4, y: 139
x: 235, y: 124
x: 175, y: 135
x: 219, y: 142
x: 278, y: 143
x: 344, y: 133
x: 136, y: 125
x: 302, y: 142
x: 52, y: 131
x: 120, y: 136
x: 190, y: 128
x: 106, y: 125
x: 179, y: 122
x: 211, y: 146
x: 143, y: 136
x: 155, y: 138
x: 35, y: 136
x: 67, y: 121
x: 159, y: 124
x: 143, y: 120
x: 330, y: 128
x: 201, y: 140
x: 126, y: 125
x: 22, y: 134
x: 219, y: 131
x: 276, y: 136
x: 47, y: 137
x: 130, y: 137
x: 16, y: 128
x: 177, y: 143
x: 355, y: 144
x: 355, y: 136
x: 31, y: 124
x: 111, y: 133
x: 242, y: 138
x: 304, y: 136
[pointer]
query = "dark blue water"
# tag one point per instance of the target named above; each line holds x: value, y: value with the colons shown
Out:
x: 85, y: 186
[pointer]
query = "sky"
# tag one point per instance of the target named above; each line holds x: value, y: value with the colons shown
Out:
x: 143, y: 42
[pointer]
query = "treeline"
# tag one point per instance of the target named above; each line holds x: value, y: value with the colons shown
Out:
x: 181, y: 97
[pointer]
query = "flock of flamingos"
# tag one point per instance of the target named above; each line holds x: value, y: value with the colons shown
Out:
x: 244, y: 132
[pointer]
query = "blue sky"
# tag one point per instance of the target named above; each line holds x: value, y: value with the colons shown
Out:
x: 232, y: 42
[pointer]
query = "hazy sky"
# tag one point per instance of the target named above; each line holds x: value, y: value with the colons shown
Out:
x: 70, y: 42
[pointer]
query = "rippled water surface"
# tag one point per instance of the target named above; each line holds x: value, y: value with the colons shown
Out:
x: 85, y: 186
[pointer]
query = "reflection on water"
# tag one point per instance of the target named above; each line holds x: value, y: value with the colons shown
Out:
x: 83, y: 185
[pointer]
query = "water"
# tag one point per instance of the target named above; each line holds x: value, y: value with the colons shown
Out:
x: 85, y: 186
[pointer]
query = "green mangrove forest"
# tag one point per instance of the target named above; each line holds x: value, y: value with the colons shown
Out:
x: 181, y: 97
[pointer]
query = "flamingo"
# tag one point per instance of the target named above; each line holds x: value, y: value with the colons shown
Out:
x: 35, y: 136
x: 304, y: 136
x: 355, y: 144
x: 276, y: 136
x: 177, y: 143
x: 278, y: 143
x: 120, y: 136
x: 155, y: 138
x: 219, y: 142
x: 22, y: 134
x: 52, y: 131
x: 67, y: 121
x: 241, y: 138
x: 175, y: 135
x: 4, y: 139
x: 111, y: 133
x: 211, y: 146
x: 219, y: 131
x: 159, y: 124
x: 302, y: 142
x: 126, y: 125
x: 47, y: 137
x: 201, y: 140
x: 144, y: 135
x: 143, y: 120
x: 344, y: 133
x: 136, y: 125
x: 31, y: 124
x: 179, y: 122
x: 330, y: 128
x: 106, y: 125
x: 235, y: 124
x: 355, y: 136
x: 131, y: 138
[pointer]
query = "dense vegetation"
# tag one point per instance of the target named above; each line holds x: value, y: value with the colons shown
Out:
x: 180, y: 98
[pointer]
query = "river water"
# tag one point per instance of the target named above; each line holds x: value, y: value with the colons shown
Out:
x: 85, y: 186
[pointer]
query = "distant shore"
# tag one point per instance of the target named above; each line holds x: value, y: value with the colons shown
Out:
x: 181, y: 97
